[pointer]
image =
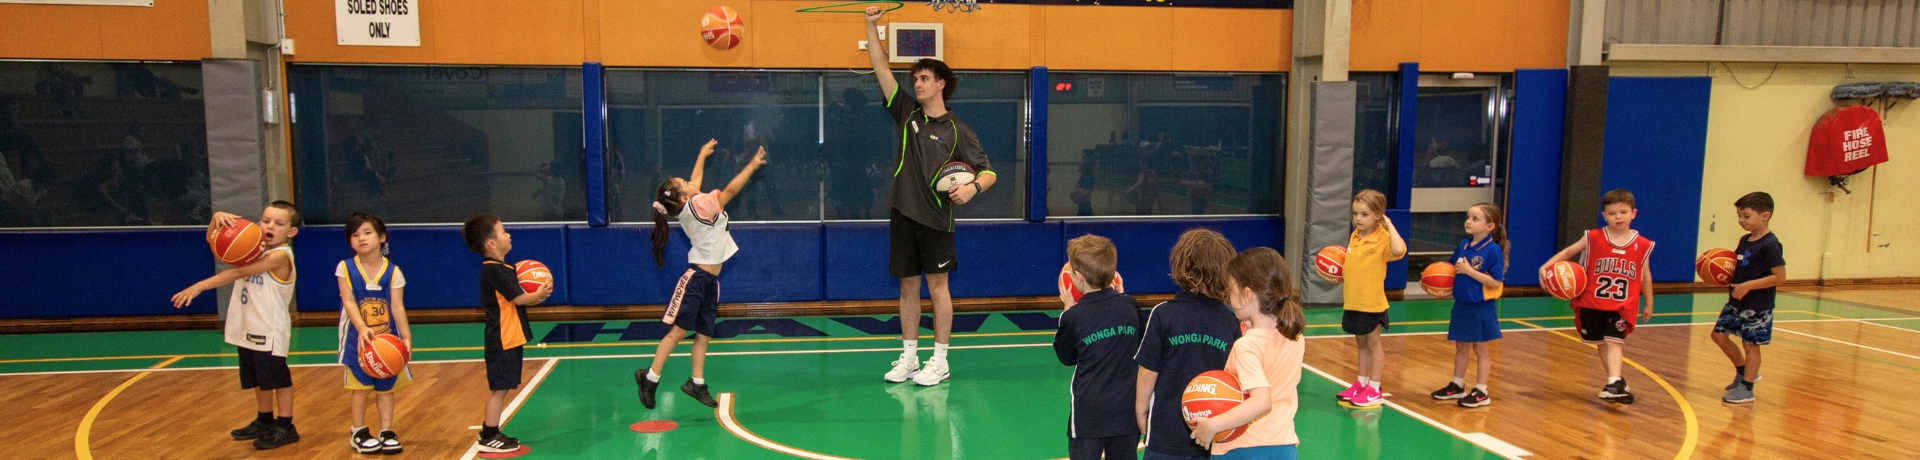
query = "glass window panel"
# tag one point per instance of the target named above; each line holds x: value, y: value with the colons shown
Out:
x: 1164, y: 144
x: 1374, y: 150
x: 102, y: 144
x: 658, y: 119
x: 436, y: 144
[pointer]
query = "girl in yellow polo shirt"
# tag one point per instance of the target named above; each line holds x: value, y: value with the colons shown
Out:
x: 1374, y: 243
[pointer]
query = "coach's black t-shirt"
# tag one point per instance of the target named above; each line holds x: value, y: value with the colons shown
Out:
x: 926, y: 144
x: 1755, y: 260
x: 1098, y: 337
x: 1185, y: 336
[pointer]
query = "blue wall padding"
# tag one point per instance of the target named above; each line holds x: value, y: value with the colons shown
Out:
x: 856, y: 262
x: 441, y: 272
x: 1533, y: 179
x: 1144, y: 245
x: 1007, y: 259
x: 104, y: 273
x: 614, y: 265
x: 1656, y: 147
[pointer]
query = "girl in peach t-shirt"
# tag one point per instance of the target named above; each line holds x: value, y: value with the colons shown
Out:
x: 1266, y: 361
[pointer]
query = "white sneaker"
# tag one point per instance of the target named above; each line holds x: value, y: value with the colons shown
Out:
x: 907, y: 367
x: 933, y: 373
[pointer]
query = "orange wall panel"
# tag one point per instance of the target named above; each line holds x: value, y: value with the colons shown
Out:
x: 453, y: 32
x: 1109, y: 38
x: 169, y: 30
x: 1458, y: 35
x: 1226, y: 40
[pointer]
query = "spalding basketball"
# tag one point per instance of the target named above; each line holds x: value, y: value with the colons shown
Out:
x: 1437, y: 280
x: 722, y: 28
x: 384, y: 357
x: 1715, y: 266
x: 1331, y: 263
x: 241, y: 243
x: 1564, y: 280
x: 1210, y: 394
x: 533, y: 275
x: 1066, y: 282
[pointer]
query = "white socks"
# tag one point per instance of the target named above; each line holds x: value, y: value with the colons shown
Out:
x: 909, y: 347
x: 1482, y: 387
x: 1459, y: 382
x: 699, y: 381
x: 940, y: 351
x: 652, y: 377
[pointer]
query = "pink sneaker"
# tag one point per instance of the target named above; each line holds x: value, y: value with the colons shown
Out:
x: 1350, y: 392
x: 1367, y: 397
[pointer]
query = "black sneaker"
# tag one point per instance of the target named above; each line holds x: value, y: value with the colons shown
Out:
x: 277, y: 436
x: 647, y: 387
x: 252, y: 431
x: 699, y: 392
x: 497, y: 443
x: 1476, y: 398
x: 389, y: 442
x: 1452, y: 391
x: 364, y: 442
x: 1616, y: 392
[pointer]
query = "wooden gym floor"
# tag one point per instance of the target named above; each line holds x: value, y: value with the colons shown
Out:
x: 1836, y: 385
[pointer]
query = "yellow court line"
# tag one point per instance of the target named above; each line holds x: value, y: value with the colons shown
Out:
x: 81, y: 445
x: 1686, y: 409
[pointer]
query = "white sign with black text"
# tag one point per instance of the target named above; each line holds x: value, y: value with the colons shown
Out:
x: 377, y: 22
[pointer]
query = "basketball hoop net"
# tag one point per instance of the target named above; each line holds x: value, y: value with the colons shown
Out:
x: 954, y: 6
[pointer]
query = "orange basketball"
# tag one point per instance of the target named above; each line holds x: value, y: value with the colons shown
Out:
x: 722, y: 28
x: 1209, y: 395
x: 1066, y: 282
x: 1437, y: 280
x: 1715, y: 266
x: 533, y: 275
x: 384, y: 357
x: 1564, y: 280
x: 1331, y: 263
x: 241, y: 243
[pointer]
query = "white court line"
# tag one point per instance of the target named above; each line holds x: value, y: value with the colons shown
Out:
x: 725, y: 413
x: 1897, y: 328
x: 1849, y: 343
x: 785, y: 352
x: 507, y: 414
x: 1501, y: 448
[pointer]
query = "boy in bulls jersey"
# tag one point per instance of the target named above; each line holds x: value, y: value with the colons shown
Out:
x: 507, y: 328
x: 1618, y: 280
x: 372, y: 304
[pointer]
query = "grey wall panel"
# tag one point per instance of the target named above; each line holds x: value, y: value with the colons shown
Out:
x: 1856, y: 23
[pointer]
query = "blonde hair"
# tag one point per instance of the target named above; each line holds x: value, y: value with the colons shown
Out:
x: 1375, y: 201
x: 1199, y: 262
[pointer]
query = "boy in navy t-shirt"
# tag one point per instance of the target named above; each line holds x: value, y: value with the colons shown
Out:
x: 1185, y: 336
x: 1096, y: 334
x: 1759, y: 267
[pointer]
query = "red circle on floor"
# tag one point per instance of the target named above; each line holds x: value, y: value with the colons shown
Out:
x: 654, y: 426
x: 523, y: 450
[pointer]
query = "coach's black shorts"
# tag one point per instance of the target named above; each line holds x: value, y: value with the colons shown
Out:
x: 1363, y: 323
x: 263, y: 370
x: 917, y: 248
x: 503, y: 369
